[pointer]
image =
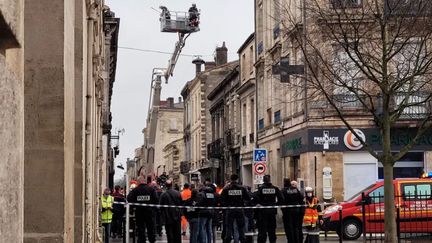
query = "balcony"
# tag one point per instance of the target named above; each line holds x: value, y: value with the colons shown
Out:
x: 346, y: 3
x: 216, y: 149
x: 419, y: 106
x: 347, y: 101
x: 184, y: 167
x: 408, y: 8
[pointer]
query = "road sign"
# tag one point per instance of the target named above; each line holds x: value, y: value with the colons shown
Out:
x: 258, y: 179
x: 194, y: 177
x: 260, y: 155
x: 260, y: 168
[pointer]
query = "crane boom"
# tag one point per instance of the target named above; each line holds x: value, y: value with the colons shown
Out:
x: 176, y: 54
x: 182, y: 23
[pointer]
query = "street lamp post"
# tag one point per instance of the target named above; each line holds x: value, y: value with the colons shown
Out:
x: 157, y: 170
x: 127, y: 204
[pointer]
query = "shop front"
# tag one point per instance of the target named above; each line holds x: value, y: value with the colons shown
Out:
x: 358, y: 167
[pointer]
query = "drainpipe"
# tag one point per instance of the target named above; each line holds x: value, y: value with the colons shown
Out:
x: 87, y: 105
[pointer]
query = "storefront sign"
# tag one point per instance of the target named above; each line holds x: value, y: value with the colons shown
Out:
x: 326, y: 140
x: 340, y: 140
x: 352, y: 141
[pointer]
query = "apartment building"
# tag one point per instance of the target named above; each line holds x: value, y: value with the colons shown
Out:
x: 301, y: 129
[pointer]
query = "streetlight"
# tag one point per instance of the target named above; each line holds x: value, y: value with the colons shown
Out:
x: 157, y: 170
x: 120, y: 166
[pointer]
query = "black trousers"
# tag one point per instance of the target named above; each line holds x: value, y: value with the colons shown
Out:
x: 266, y: 227
x: 231, y: 216
x: 116, y: 225
x: 173, y: 232
x: 145, y: 223
x: 292, y: 219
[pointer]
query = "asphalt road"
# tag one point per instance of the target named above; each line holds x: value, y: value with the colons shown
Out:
x: 280, y: 239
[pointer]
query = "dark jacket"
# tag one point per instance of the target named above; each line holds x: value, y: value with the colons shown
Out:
x: 269, y: 195
x: 191, y: 213
x: 292, y: 196
x: 170, y: 215
x: 234, y: 195
x: 208, y: 199
x: 119, y: 209
x: 143, y: 194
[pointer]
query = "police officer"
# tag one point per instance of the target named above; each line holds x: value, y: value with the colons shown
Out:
x: 268, y: 195
x: 208, y: 200
x: 143, y: 193
x: 234, y: 195
x: 293, y: 216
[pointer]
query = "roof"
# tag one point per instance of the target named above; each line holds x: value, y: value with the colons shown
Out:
x: 246, y: 43
x: 227, y: 78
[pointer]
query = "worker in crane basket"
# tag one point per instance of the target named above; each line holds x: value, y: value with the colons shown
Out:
x: 193, y: 16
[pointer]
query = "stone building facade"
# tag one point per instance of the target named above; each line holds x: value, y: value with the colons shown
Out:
x: 224, y: 149
x: 173, y: 154
x: 56, y: 86
x: 169, y: 127
x: 197, y: 133
x: 247, y: 114
x: 292, y: 125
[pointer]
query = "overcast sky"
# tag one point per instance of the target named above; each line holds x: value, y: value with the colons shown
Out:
x: 221, y: 20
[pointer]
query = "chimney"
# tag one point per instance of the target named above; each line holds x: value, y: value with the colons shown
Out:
x: 209, y: 65
x: 179, y: 99
x: 170, y: 102
x: 221, y: 55
x: 198, y: 62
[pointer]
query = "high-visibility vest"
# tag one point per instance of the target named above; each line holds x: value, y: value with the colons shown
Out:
x: 106, y: 215
x: 311, y: 213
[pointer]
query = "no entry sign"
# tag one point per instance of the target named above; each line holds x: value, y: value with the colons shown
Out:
x: 260, y: 168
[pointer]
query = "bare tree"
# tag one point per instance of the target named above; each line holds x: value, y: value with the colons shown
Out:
x: 372, y: 54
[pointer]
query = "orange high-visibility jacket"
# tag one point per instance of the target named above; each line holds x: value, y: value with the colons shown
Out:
x: 311, y: 213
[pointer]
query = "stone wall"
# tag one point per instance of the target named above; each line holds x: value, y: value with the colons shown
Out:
x: 11, y: 122
x: 49, y: 121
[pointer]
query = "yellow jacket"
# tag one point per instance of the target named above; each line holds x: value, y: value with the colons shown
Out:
x: 107, y: 213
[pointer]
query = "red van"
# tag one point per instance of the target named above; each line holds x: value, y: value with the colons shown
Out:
x: 412, y: 196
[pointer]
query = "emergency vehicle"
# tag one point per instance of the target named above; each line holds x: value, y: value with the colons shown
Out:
x: 413, y: 198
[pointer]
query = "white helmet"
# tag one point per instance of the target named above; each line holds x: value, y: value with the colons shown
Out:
x: 308, y: 189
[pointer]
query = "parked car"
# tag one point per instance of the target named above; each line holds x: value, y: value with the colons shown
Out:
x: 413, y: 200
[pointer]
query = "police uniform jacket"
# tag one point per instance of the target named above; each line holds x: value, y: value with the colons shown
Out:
x: 292, y: 196
x: 143, y: 194
x: 269, y: 195
x: 234, y: 195
x: 208, y: 199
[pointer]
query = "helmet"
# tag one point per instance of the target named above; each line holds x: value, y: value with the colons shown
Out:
x: 308, y: 189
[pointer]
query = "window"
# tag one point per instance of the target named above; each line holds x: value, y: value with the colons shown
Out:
x: 244, y: 120
x: 173, y: 124
x: 347, y: 76
x: 251, y: 59
x: 277, y: 117
x: 377, y: 195
x: 261, y: 124
x: 243, y: 66
x: 252, y: 116
x: 346, y: 3
x: 410, y: 165
x: 421, y: 191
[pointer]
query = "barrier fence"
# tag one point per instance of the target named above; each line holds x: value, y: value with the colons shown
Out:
x: 362, y: 221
